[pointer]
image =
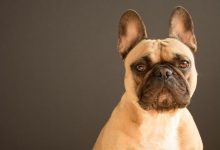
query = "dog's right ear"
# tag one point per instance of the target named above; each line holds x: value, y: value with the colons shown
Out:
x: 131, y: 31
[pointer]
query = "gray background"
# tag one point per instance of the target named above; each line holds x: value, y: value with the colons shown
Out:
x: 61, y: 75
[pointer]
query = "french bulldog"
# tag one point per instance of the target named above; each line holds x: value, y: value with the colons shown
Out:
x: 160, y: 79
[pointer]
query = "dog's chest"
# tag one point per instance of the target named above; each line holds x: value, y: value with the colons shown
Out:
x: 160, y: 132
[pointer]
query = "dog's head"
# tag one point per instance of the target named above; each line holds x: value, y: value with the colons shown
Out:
x: 160, y: 73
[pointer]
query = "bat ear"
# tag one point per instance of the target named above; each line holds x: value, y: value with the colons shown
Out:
x: 181, y: 27
x: 131, y: 31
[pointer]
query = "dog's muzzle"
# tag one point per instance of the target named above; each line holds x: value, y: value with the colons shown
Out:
x: 164, y: 89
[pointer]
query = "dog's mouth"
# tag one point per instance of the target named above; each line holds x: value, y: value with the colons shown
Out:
x: 162, y: 100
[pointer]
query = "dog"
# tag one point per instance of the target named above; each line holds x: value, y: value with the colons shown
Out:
x: 160, y: 79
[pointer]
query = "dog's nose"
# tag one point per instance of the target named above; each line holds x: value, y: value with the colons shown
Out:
x: 163, y: 73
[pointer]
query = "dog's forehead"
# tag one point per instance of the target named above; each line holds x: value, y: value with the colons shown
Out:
x: 159, y: 50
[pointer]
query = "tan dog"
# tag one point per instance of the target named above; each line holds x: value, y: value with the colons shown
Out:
x: 160, y: 79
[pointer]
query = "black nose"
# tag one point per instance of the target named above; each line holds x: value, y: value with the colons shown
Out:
x: 163, y: 73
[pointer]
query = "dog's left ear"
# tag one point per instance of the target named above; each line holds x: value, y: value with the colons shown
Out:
x: 181, y: 27
x: 131, y: 31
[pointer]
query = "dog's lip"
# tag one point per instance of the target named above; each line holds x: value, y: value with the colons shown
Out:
x: 160, y: 94
x: 150, y: 91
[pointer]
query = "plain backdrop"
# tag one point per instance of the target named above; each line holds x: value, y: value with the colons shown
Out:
x: 61, y: 74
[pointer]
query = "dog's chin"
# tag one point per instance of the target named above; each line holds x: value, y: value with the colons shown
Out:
x: 163, y: 100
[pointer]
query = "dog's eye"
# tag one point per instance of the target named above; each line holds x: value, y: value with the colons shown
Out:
x: 184, y: 64
x: 141, y: 67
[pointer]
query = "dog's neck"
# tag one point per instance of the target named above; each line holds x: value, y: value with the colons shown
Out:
x: 157, y: 129
x: 140, y: 116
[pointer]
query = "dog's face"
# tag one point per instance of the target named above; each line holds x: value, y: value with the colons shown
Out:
x: 160, y: 73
